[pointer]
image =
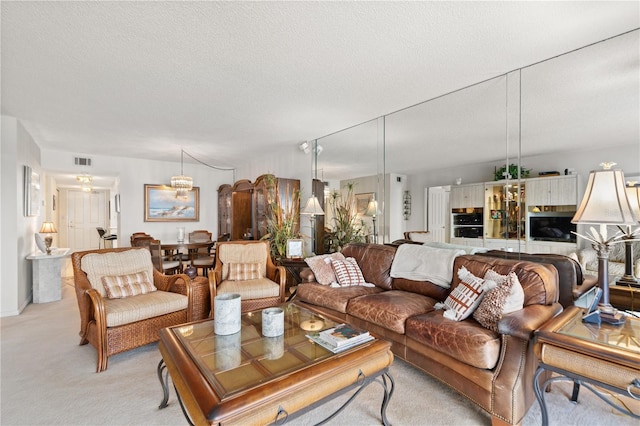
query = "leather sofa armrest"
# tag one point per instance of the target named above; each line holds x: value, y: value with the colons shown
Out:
x: 589, y: 282
x: 307, y: 276
x: 523, y: 323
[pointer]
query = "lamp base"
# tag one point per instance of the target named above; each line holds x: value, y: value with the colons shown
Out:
x: 48, y: 240
x: 628, y: 280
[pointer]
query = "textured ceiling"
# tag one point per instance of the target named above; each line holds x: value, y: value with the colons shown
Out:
x: 141, y: 79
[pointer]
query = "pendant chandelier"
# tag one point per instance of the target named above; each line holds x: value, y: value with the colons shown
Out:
x: 182, y: 184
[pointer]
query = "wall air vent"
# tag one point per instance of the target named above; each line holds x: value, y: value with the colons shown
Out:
x: 82, y: 161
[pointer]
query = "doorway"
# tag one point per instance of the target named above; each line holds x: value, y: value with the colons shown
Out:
x: 85, y: 211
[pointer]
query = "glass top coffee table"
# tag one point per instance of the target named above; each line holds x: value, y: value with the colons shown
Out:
x: 248, y: 378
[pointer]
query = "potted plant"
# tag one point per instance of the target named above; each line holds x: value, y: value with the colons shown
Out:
x: 282, y: 222
x: 511, y: 172
x: 346, y: 226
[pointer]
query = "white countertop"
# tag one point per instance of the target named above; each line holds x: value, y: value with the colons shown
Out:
x: 55, y: 253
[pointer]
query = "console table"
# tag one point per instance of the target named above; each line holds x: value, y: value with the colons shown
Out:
x: 605, y: 355
x: 47, y: 280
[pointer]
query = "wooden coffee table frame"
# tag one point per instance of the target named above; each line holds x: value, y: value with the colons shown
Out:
x: 281, y: 399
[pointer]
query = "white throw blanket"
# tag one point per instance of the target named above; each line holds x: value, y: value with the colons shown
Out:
x: 423, y: 263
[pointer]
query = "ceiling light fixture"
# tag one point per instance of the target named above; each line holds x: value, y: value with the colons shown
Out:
x: 84, y: 178
x: 182, y: 184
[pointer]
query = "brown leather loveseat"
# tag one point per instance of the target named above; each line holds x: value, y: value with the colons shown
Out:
x: 493, y: 369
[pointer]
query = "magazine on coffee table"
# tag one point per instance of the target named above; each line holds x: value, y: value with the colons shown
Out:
x: 341, y: 337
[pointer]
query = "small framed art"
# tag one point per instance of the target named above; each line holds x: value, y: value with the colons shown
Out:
x: 294, y: 248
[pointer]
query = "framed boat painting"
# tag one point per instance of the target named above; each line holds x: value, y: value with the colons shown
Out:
x: 161, y: 204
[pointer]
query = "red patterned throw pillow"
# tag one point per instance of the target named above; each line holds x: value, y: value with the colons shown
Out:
x: 466, y: 297
x: 347, y: 272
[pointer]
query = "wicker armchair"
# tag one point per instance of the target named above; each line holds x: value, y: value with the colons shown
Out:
x: 112, y: 326
x: 266, y: 286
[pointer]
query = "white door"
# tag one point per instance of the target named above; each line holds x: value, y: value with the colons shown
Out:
x: 85, y: 211
x: 438, y: 213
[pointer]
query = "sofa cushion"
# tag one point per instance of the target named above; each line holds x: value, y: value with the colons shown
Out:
x: 321, y: 267
x: 250, y: 289
x: 242, y: 253
x: 143, y: 306
x: 335, y: 298
x: 347, y: 272
x: 98, y: 265
x: 374, y: 261
x: 507, y: 296
x: 120, y: 286
x: 390, y: 309
x: 466, y: 297
x: 466, y: 341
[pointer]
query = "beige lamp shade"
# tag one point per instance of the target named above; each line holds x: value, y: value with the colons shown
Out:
x: 372, y: 208
x: 48, y: 228
x: 605, y: 200
x: 633, y: 195
x: 312, y: 207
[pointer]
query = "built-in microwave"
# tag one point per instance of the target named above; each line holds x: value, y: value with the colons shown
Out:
x: 552, y: 226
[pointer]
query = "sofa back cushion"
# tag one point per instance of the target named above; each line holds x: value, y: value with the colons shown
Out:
x: 98, y: 265
x: 374, y: 261
x: 539, y: 281
x: 569, y: 271
x: 254, y: 254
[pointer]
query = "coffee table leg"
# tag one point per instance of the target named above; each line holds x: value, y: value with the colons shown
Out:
x: 388, y: 393
x: 164, y: 381
x: 540, y: 395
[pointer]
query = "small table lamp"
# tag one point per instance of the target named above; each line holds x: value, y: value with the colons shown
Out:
x: 313, y: 209
x: 631, y: 235
x: 605, y: 203
x: 48, y: 228
x: 372, y: 211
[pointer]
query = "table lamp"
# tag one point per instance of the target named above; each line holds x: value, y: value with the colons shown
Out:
x: 48, y: 228
x: 631, y: 235
x: 372, y: 211
x: 313, y: 209
x: 605, y: 203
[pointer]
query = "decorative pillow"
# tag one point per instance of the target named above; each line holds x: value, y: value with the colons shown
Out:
x: 507, y: 296
x: 121, y: 286
x: 321, y: 267
x: 244, y: 271
x: 465, y: 298
x: 347, y: 272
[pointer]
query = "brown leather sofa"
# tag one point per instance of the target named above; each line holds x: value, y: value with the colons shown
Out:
x: 493, y: 369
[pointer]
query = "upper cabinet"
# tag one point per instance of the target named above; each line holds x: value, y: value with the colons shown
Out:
x: 467, y: 196
x: 553, y: 191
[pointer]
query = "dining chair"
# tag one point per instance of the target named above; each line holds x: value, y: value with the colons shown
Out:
x: 202, y: 258
x: 166, y: 266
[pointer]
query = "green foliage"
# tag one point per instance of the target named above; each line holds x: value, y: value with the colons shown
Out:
x: 282, y: 222
x: 513, y: 171
x: 346, y: 226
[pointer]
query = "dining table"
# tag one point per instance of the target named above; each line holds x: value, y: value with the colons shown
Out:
x: 176, y: 249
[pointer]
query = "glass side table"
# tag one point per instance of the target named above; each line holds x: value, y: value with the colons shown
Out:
x: 604, y: 355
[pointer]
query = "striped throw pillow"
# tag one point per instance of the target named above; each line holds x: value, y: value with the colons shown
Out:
x: 121, y: 286
x: 466, y: 297
x: 244, y: 271
x: 347, y: 272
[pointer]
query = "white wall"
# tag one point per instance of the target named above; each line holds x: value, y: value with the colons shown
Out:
x: 16, y: 230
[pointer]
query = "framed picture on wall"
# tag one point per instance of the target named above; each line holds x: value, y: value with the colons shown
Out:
x: 362, y: 202
x: 31, y: 192
x: 162, y: 205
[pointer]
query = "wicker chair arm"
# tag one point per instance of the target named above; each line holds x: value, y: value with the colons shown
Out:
x: 98, y: 311
x: 280, y: 277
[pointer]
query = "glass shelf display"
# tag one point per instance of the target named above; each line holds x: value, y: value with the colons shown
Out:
x: 505, y: 210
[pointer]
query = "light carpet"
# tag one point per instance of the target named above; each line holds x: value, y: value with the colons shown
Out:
x: 47, y: 379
